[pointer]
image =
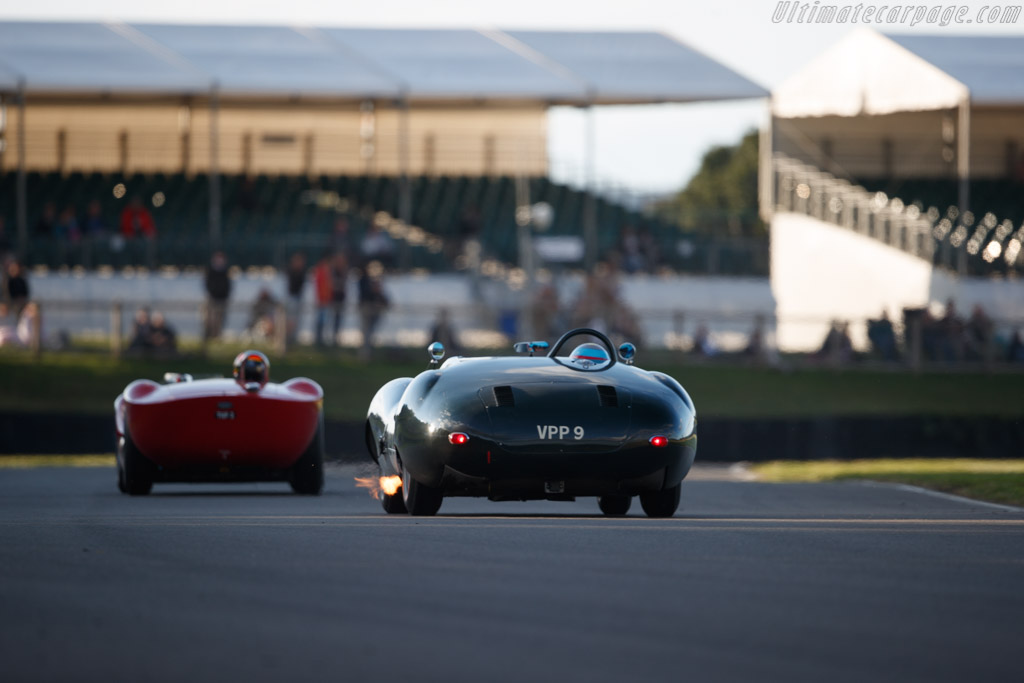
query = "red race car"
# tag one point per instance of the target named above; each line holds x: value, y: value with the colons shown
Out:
x: 213, y: 430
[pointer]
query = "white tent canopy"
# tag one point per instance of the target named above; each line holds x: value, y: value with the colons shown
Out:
x: 868, y: 73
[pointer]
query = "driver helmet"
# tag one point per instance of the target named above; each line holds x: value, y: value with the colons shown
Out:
x: 251, y: 370
x: 590, y: 356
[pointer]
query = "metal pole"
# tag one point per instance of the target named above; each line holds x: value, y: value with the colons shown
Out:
x: 524, y: 228
x: 766, y: 177
x: 22, y: 187
x: 214, y: 174
x: 3, y: 129
x: 589, y: 201
x: 404, y: 186
x: 116, y: 328
x: 963, y: 170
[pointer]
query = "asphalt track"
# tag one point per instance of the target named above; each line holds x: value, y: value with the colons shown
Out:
x: 804, y: 582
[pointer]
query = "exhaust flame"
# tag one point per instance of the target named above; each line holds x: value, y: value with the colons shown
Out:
x: 390, y: 485
x: 378, y: 485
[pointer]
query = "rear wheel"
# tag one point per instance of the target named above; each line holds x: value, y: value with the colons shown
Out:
x: 136, y: 470
x: 120, y: 478
x: 661, y: 503
x: 614, y: 506
x: 307, y: 474
x: 393, y: 504
x: 420, y: 499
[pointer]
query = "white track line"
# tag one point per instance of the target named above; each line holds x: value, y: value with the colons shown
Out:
x: 946, y: 496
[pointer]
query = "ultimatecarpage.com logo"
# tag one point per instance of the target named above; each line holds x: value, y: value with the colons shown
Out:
x: 787, y: 12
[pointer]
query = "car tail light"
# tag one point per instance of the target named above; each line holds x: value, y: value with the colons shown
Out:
x: 457, y: 438
x: 659, y: 441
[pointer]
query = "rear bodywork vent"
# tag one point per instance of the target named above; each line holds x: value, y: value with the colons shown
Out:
x: 504, y: 398
x: 608, y: 397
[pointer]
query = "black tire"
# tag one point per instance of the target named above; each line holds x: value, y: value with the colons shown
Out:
x: 136, y: 477
x: 420, y: 500
x: 120, y: 478
x: 661, y: 503
x: 615, y: 506
x: 393, y: 504
x: 307, y: 474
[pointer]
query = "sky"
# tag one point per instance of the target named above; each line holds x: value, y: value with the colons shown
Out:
x: 639, y: 149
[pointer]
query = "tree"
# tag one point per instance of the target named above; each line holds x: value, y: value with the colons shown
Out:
x: 721, y: 199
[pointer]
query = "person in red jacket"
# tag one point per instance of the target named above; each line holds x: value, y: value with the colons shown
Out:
x: 324, y: 294
x: 137, y: 221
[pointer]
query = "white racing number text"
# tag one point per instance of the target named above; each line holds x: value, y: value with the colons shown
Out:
x: 559, y: 432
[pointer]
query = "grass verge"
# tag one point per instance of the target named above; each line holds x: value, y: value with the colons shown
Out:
x: 27, y: 461
x: 87, y: 382
x: 995, y: 481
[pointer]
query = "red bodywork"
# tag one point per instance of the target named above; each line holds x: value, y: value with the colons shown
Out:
x: 217, y: 422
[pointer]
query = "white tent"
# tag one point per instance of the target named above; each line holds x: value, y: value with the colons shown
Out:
x: 866, y: 74
x: 907, y: 106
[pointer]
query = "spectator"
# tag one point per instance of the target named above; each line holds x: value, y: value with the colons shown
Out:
x: 545, y: 312
x: 137, y: 221
x: 8, y: 326
x: 339, y: 283
x: 341, y: 240
x: 755, y: 343
x: 296, y: 275
x: 649, y: 247
x: 837, y: 347
x: 66, y: 228
x: 927, y: 328
x: 30, y: 325
x: 17, y: 288
x: 702, y: 344
x: 261, y: 318
x: 591, y: 304
x: 163, y: 338
x: 95, y: 225
x: 372, y: 304
x: 1015, y: 352
x: 377, y: 246
x: 978, y: 335
x: 883, y: 337
x: 633, y: 257
x: 322, y: 283
x: 599, y: 305
x: 44, y: 226
x: 142, y: 332
x: 218, y: 291
x: 950, y: 335
x: 443, y: 331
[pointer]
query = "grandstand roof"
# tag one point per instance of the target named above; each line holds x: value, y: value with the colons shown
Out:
x: 418, y: 64
x: 870, y: 73
x: 992, y: 67
x: 8, y: 79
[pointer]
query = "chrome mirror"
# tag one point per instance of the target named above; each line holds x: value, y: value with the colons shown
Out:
x: 627, y: 352
x: 532, y: 346
x: 436, y: 351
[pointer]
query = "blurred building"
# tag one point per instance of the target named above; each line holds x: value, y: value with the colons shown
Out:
x: 892, y: 175
x: 254, y: 132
